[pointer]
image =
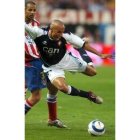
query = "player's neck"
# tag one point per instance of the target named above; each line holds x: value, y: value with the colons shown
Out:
x: 28, y: 21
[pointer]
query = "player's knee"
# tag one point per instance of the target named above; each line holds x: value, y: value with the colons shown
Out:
x: 63, y: 88
x: 93, y: 72
x: 52, y: 93
x: 53, y: 90
x: 90, y: 71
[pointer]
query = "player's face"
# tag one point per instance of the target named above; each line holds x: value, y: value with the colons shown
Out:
x: 30, y: 11
x: 56, y: 32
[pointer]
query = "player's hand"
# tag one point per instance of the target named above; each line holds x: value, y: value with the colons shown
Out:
x: 103, y: 56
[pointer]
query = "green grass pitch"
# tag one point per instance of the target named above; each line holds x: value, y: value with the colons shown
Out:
x: 76, y: 112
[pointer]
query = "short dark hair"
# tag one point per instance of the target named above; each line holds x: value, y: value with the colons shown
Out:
x: 56, y: 22
x: 29, y: 2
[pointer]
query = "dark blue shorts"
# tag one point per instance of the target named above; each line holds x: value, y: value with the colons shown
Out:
x: 34, y: 77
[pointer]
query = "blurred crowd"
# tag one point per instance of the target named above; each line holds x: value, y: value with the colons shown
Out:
x: 100, y: 32
x: 90, y: 5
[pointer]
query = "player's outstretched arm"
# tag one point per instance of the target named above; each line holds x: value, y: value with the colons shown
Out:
x: 34, y: 32
x: 75, y: 40
x: 92, y: 50
x: 79, y: 43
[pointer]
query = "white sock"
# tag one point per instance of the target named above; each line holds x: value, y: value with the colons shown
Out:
x: 69, y: 89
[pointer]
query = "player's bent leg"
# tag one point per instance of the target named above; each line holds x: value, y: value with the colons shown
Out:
x: 35, y: 96
x: 32, y: 100
x: 58, y: 80
x: 70, y: 90
x: 85, y: 94
x: 90, y: 71
x: 60, y: 84
x: 52, y: 107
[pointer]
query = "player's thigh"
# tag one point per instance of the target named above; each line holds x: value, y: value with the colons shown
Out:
x: 90, y: 70
x: 54, y: 73
x: 60, y: 84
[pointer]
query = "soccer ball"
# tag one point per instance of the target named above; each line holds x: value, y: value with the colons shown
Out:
x: 96, y: 128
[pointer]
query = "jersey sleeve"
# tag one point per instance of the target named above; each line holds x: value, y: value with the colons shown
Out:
x: 74, y: 40
x: 34, y: 32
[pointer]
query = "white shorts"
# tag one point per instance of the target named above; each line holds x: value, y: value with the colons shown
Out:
x: 68, y: 63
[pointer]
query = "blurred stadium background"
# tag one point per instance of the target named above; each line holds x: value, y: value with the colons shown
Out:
x: 94, y: 19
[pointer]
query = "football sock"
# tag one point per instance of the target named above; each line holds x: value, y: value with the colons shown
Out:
x: 28, y: 106
x: 52, y: 106
x: 84, y: 55
x: 76, y: 92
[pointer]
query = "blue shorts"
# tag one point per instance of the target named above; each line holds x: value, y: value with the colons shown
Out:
x: 34, y: 76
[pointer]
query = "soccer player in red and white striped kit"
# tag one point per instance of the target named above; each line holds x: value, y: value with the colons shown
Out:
x: 34, y: 77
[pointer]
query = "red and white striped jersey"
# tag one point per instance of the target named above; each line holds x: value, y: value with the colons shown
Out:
x: 31, y: 51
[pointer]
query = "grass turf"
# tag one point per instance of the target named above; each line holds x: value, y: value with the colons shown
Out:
x: 76, y: 112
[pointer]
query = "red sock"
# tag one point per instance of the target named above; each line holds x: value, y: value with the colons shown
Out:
x: 52, y: 107
x: 28, y: 106
x: 52, y: 110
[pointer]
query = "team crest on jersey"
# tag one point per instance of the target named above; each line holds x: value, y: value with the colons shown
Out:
x: 44, y: 42
x: 59, y: 43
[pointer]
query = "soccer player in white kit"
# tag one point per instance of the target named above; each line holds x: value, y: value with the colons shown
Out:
x: 51, y: 44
